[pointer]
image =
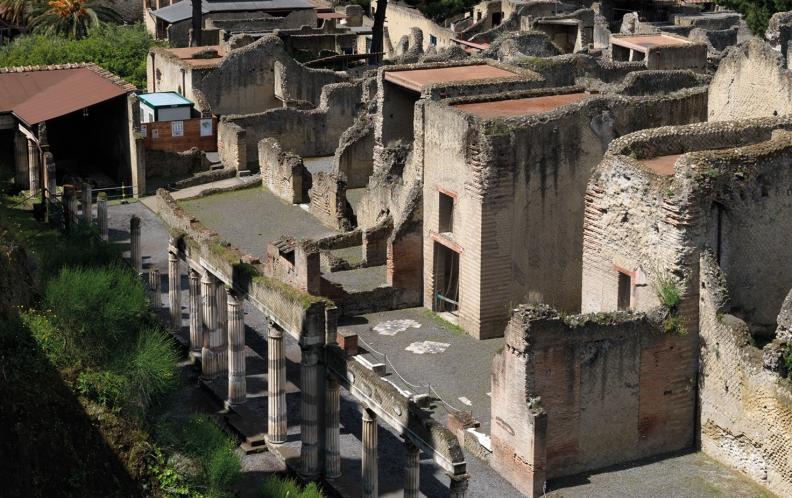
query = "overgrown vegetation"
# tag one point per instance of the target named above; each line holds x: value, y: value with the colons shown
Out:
x: 70, y: 18
x: 275, y: 487
x: 669, y: 293
x: 440, y: 10
x: 788, y: 361
x: 121, y: 50
x: 757, y: 13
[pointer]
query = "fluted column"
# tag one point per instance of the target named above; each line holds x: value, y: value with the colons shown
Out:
x: 237, y: 388
x: 87, y: 203
x: 33, y: 168
x: 174, y: 291
x: 412, y: 470
x: 369, y: 456
x: 309, y: 403
x: 212, y: 342
x: 276, y: 386
x: 459, y: 485
x: 154, y: 287
x: 136, y: 258
x: 332, y: 429
x: 101, y: 216
x: 196, y: 311
x: 222, y: 327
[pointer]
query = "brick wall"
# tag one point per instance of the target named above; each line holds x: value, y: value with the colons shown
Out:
x: 614, y: 388
x: 283, y: 173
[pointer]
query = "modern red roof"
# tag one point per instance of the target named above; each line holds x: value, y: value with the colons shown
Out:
x: 662, y: 165
x: 416, y: 79
x: 520, y: 107
x: 37, y: 94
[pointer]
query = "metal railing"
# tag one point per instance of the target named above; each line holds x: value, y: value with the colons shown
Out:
x: 115, y: 193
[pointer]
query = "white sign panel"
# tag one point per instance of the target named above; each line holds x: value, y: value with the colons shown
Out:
x: 206, y: 127
x: 177, y: 128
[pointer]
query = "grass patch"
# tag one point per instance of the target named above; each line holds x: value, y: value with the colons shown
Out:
x: 442, y: 322
x: 278, y: 487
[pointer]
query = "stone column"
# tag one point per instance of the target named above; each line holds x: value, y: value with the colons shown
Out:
x: 33, y: 168
x: 309, y: 403
x: 154, y: 287
x: 174, y: 291
x: 369, y: 464
x: 196, y: 321
x: 68, y: 219
x: 276, y: 386
x: 332, y: 431
x: 211, y: 335
x: 101, y: 216
x: 412, y: 470
x: 458, y: 487
x: 136, y: 258
x: 237, y: 388
x: 222, y: 327
x: 87, y: 203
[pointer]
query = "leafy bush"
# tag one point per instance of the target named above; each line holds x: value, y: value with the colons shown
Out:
x: 59, y: 351
x: 107, y: 388
x: 788, y: 361
x: 119, y: 49
x: 97, y: 308
x: 277, y: 487
x: 151, y: 369
x: 757, y: 12
x: 668, y: 291
x: 440, y: 10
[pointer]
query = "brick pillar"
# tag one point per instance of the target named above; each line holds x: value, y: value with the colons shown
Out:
x: 237, y: 388
x: 412, y: 470
x: 332, y: 431
x: 211, y: 334
x: 222, y: 327
x: 101, y: 216
x: 309, y: 402
x: 276, y: 386
x: 196, y: 320
x: 369, y: 456
x: 33, y: 168
x: 174, y: 291
x: 136, y: 258
x: 154, y: 287
x: 87, y: 203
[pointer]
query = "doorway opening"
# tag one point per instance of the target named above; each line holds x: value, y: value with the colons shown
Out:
x: 446, y: 280
x: 625, y: 292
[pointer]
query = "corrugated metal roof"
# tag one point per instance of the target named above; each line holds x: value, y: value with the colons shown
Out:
x: 182, y: 10
x: 36, y: 94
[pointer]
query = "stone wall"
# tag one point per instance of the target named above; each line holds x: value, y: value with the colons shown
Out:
x: 519, y: 184
x: 746, y: 410
x: 179, y: 32
x: 175, y: 165
x: 232, y: 145
x: 354, y: 157
x: 400, y: 18
x: 748, y: 70
x: 283, y: 173
x: 328, y: 201
x: 312, y: 132
x: 557, y: 383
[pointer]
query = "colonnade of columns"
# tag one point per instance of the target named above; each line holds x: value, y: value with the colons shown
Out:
x: 217, y: 330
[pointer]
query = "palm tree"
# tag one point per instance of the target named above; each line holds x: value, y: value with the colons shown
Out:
x: 16, y: 12
x: 72, y: 18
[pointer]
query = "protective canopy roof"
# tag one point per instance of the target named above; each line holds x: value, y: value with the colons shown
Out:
x: 182, y: 10
x: 38, y: 94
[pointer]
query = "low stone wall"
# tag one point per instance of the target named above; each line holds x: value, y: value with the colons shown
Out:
x: 746, y: 410
x: 283, y: 173
x: 232, y: 146
x: 558, y: 379
x: 173, y: 165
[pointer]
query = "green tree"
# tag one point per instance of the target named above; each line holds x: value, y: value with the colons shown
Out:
x: 72, y: 18
x: 757, y: 12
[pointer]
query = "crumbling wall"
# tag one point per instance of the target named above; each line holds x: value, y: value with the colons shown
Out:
x: 245, y: 80
x: 283, y: 173
x: 746, y: 410
x: 232, y: 145
x: 175, y: 165
x: 329, y: 203
x: 752, y: 81
x: 401, y: 18
x: 354, y: 157
x: 312, y: 132
x: 574, y: 370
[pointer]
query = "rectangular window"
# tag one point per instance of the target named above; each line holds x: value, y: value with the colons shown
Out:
x: 446, y: 213
x: 625, y: 292
x: 432, y: 40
